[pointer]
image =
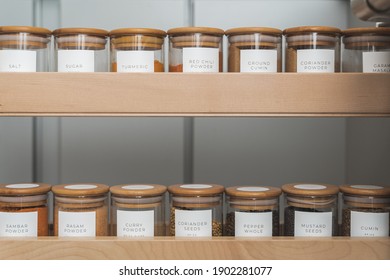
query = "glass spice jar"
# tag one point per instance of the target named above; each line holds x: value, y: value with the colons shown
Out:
x: 254, y: 49
x: 195, y: 49
x: 137, y: 210
x: 366, y: 211
x: 137, y: 50
x: 313, y: 49
x: 196, y: 210
x: 310, y: 210
x: 252, y: 211
x: 366, y: 50
x: 24, y: 49
x: 80, y: 210
x: 81, y: 50
x: 24, y: 210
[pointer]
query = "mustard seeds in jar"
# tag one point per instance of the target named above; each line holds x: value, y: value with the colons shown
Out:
x: 312, y: 49
x: 254, y: 49
x: 138, y: 210
x: 196, y: 210
x: 80, y: 210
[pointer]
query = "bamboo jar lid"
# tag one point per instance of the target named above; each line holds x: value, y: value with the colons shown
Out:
x: 25, y: 29
x: 312, y: 29
x: 196, y: 189
x: 367, y: 31
x: 25, y: 189
x: 366, y: 190
x: 137, y: 31
x: 138, y: 191
x: 193, y: 30
x: 360, y: 38
x: 255, y: 192
x: 35, y: 37
x: 253, y: 30
x: 80, y: 31
x: 80, y: 190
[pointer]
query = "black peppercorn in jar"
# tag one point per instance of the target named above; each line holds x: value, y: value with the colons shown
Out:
x: 196, y: 210
x: 366, y: 210
x: 137, y: 210
x: 310, y: 210
x: 252, y: 211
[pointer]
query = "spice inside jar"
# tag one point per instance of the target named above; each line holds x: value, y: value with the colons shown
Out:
x: 313, y: 49
x: 310, y: 210
x: 81, y: 50
x: 252, y: 211
x: 24, y: 49
x: 366, y: 50
x: 137, y: 210
x: 24, y: 210
x: 254, y: 49
x: 80, y: 210
x: 195, y: 49
x: 137, y: 50
x: 366, y: 211
x: 196, y: 210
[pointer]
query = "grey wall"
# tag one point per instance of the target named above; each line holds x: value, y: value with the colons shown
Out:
x: 228, y: 151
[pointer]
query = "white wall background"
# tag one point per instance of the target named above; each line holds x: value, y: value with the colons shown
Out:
x: 228, y: 151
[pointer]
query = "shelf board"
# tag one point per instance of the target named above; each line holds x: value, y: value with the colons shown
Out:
x: 214, y: 248
x: 198, y: 94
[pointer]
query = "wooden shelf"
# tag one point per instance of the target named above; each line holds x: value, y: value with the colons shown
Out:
x: 178, y: 94
x: 217, y: 248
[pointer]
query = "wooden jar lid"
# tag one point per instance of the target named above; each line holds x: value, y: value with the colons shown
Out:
x: 192, y: 30
x: 366, y: 190
x: 252, y: 30
x: 80, y: 31
x: 196, y: 189
x: 76, y: 190
x: 257, y: 192
x: 138, y: 190
x: 25, y: 189
x: 310, y: 189
x: 137, y: 31
x: 312, y: 29
x: 25, y: 29
x: 367, y: 31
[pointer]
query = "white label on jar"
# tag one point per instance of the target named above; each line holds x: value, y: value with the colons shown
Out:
x: 193, y: 223
x: 253, y: 224
x: 258, y: 61
x: 76, y: 61
x: 80, y: 187
x: 137, y: 187
x: 135, y: 61
x: 313, y: 224
x: 369, y: 224
x: 309, y: 187
x: 18, y: 61
x: 22, y: 186
x: 135, y: 223
x: 76, y: 224
x: 200, y: 60
x: 318, y: 61
x: 376, y: 62
x: 19, y: 224
x: 253, y: 189
x: 367, y: 187
x: 195, y: 186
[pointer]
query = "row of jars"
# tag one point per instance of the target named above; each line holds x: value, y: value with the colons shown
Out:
x: 195, y: 49
x: 195, y: 210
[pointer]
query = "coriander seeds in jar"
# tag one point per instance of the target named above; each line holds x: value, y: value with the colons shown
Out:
x: 24, y: 49
x: 195, y: 49
x: 80, y: 210
x: 366, y: 50
x: 254, y: 49
x: 195, y: 210
x: 312, y: 49
x: 81, y: 50
x: 310, y: 210
x: 138, y: 210
x: 24, y: 210
x: 137, y: 50
x: 252, y: 211
x: 366, y: 211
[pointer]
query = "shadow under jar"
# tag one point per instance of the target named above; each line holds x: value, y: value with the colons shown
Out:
x: 137, y: 210
x: 195, y: 49
x: 254, y: 49
x: 312, y: 49
x: 310, y: 210
x: 252, y: 211
x: 366, y: 211
x: 24, y: 49
x: 80, y: 210
x: 24, y: 210
x: 81, y: 50
x: 366, y: 50
x: 196, y: 210
x: 137, y: 50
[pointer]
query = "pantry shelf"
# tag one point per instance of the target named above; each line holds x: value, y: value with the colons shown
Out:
x: 196, y: 94
x: 178, y: 248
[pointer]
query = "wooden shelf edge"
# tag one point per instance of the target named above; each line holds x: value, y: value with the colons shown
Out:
x: 195, y: 94
x: 171, y: 248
